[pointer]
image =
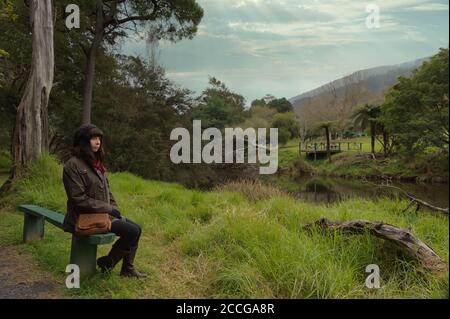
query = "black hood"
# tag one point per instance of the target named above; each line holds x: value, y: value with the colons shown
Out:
x: 85, y: 133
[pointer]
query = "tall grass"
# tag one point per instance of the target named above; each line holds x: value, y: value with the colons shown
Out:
x: 220, y: 244
x: 5, y: 162
x: 253, y: 190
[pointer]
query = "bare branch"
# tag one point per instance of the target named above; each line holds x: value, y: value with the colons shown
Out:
x: 414, y: 199
x: 112, y: 19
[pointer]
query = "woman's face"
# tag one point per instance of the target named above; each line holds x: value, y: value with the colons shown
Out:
x: 95, y: 143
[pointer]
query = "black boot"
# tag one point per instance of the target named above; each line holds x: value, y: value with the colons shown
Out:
x: 107, y: 263
x: 128, y: 267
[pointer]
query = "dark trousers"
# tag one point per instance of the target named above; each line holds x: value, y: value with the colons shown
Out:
x: 128, y: 231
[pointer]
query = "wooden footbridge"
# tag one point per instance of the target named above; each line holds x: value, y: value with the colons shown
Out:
x: 319, y: 150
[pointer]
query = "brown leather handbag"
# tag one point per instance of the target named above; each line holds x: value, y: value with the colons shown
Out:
x: 92, y: 223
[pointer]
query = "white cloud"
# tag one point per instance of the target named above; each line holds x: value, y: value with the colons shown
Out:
x: 187, y: 74
x: 244, y: 3
x: 344, y: 22
x: 430, y: 7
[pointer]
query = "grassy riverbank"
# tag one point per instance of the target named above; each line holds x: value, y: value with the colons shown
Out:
x: 361, y: 164
x: 227, y: 244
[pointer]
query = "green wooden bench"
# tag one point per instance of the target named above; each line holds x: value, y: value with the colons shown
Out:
x: 83, y: 251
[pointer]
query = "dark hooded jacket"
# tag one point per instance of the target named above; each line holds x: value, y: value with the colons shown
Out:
x: 87, y: 189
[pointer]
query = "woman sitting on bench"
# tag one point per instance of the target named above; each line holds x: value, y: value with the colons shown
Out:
x: 87, y: 189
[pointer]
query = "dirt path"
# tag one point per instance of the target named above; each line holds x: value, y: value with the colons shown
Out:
x: 20, y: 278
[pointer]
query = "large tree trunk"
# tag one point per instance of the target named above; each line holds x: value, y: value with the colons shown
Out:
x: 90, y: 64
x: 30, y: 137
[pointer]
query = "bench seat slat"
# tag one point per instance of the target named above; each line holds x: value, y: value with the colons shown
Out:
x: 57, y: 219
x: 49, y: 215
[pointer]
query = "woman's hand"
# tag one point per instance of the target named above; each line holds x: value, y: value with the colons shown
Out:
x: 115, y: 213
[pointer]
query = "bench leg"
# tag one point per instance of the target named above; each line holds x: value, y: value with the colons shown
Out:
x: 84, y: 255
x: 33, y: 228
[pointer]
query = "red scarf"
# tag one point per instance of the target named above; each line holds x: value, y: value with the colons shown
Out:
x: 99, y: 166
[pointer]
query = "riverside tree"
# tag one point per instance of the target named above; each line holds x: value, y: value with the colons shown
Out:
x: 219, y: 107
x: 287, y: 125
x: 367, y: 117
x: 416, y: 112
x: 108, y: 21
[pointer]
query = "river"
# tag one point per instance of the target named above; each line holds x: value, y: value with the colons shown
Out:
x: 330, y: 190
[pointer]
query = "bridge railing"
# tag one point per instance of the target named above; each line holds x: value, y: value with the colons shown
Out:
x: 336, y: 146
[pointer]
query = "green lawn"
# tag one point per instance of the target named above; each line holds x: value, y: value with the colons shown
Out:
x: 219, y: 244
x: 360, y: 163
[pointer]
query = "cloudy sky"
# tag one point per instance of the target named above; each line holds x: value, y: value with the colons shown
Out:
x: 286, y: 47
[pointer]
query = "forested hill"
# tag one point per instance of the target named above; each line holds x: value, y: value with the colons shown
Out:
x: 374, y: 81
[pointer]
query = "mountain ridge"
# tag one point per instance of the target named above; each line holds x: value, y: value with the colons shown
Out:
x: 336, y: 101
x: 377, y: 78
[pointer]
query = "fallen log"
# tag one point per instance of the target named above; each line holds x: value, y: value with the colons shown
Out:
x: 401, y: 238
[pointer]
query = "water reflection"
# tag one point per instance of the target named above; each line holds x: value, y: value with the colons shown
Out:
x: 316, y: 191
x: 331, y: 190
